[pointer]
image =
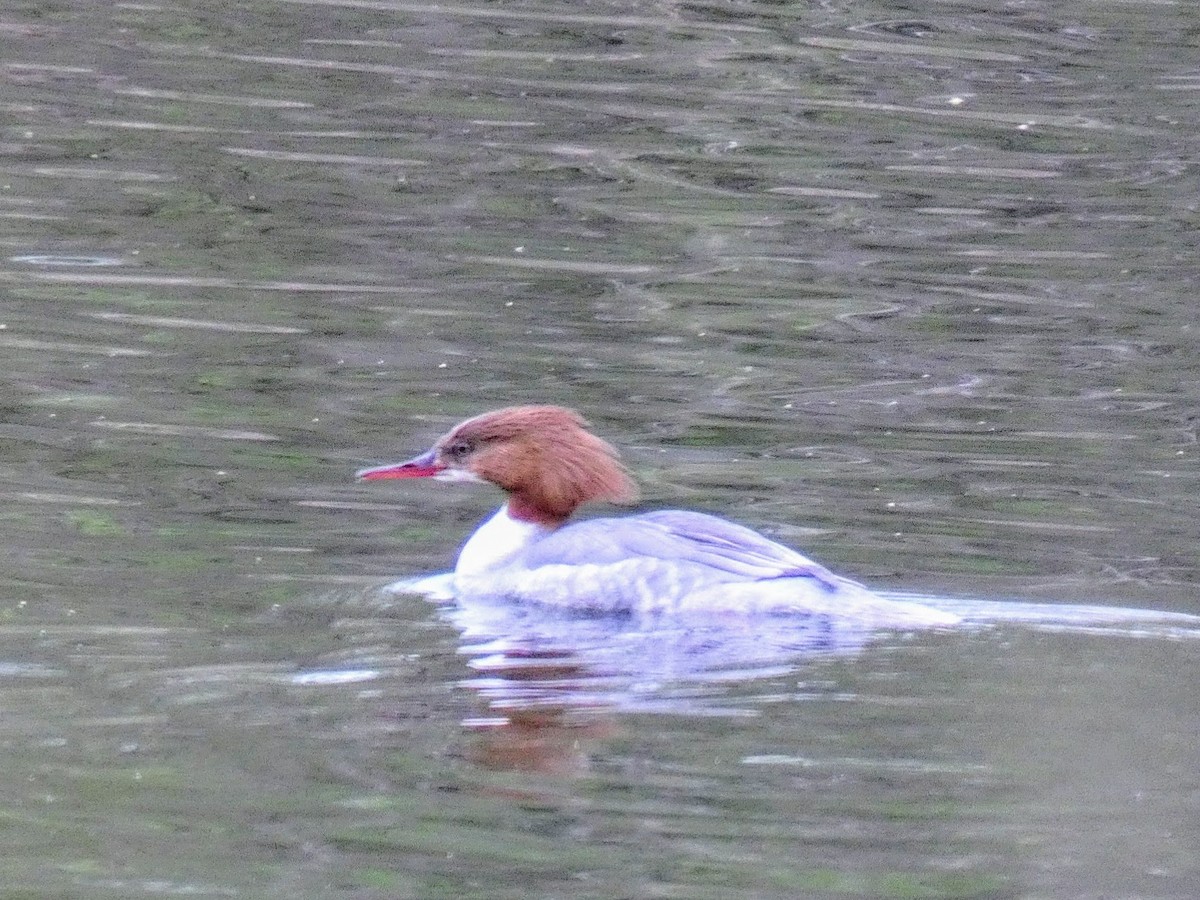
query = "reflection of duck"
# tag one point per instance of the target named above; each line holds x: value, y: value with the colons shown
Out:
x: 669, y: 562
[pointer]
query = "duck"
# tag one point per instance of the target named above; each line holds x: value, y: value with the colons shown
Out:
x: 664, y: 563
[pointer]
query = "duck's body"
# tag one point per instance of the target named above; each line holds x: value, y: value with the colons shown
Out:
x: 668, y: 562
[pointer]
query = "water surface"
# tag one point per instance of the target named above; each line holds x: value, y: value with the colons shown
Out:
x: 911, y: 289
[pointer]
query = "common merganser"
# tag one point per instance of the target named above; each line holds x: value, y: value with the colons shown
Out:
x: 666, y: 562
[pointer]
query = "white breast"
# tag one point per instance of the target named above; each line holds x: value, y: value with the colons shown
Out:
x: 495, y: 544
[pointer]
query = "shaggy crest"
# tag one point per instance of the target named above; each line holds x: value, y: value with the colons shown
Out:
x: 543, y: 456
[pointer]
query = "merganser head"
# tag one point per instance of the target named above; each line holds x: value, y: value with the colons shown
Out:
x: 543, y: 456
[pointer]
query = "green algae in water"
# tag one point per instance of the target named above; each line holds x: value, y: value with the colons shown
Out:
x: 96, y: 524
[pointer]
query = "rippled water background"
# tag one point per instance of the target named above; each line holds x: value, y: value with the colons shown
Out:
x: 912, y: 287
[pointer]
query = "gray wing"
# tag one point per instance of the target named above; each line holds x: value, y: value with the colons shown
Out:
x: 731, y: 552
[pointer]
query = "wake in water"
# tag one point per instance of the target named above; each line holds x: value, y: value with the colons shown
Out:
x: 1062, y: 617
x: 528, y: 656
x: 1085, y: 618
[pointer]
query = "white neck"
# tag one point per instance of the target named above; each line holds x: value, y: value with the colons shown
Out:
x: 496, y: 543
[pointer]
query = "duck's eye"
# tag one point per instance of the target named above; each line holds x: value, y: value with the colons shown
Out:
x: 458, y: 450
